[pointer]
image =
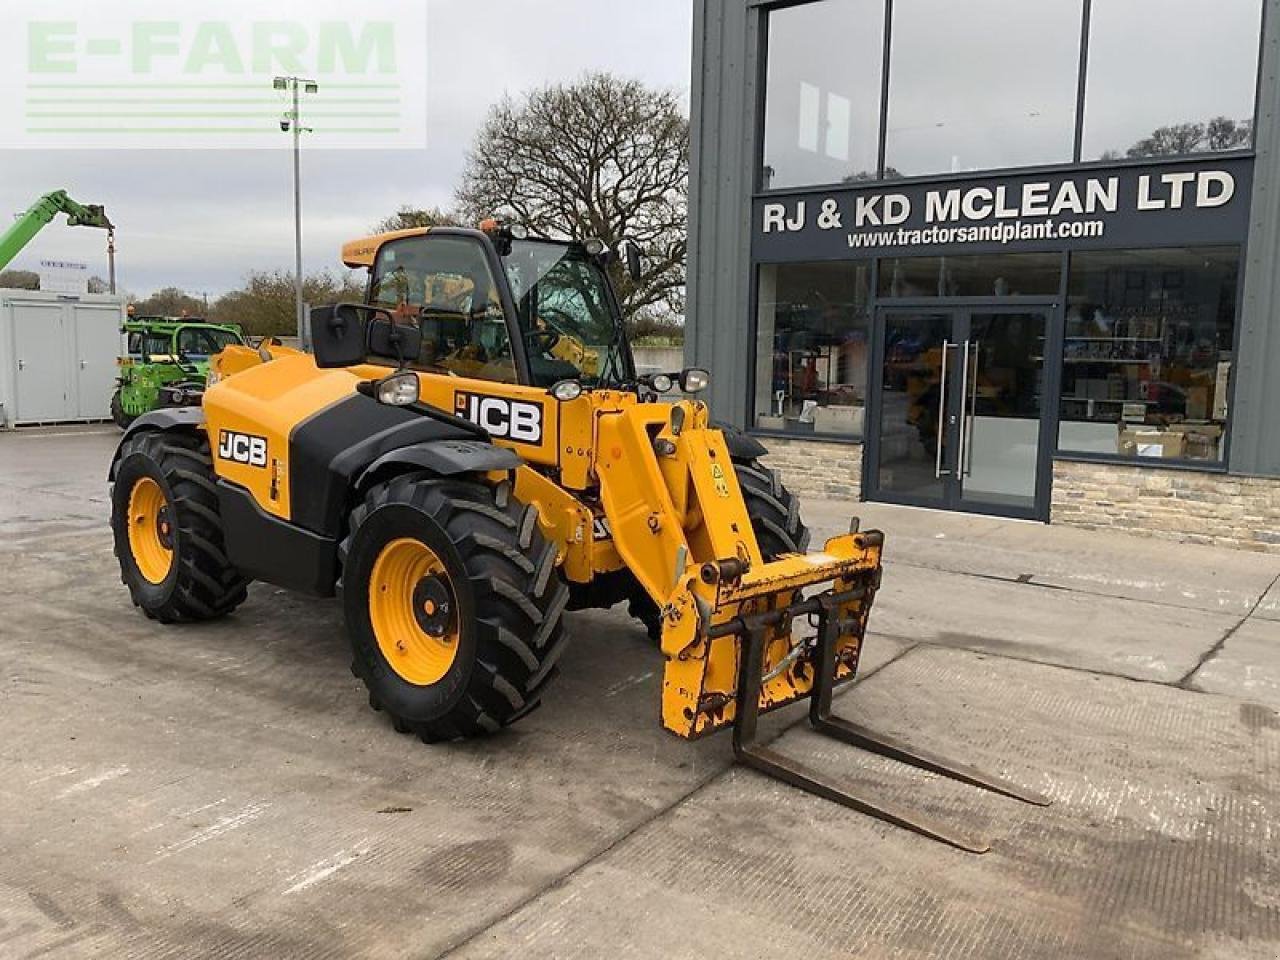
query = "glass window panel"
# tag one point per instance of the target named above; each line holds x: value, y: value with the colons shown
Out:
x: 982, y: 84
x: 1017, y: 274
x: 445, y: 286
x: 1148, y: 352
x: 812, y: 343
x: 1169, y: 77
x: 822, y: 93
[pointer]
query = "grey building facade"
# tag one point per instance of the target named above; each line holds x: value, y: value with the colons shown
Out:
x: 995, y: 256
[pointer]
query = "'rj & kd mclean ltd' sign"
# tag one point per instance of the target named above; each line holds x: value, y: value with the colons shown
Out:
x: 1206, y: 202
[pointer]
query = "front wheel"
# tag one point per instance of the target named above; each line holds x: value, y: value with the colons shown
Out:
x: 774, y: 511
x: 775, y: 518
x: 453, y: 605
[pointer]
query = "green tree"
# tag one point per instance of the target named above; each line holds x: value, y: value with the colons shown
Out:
x: 602, y: 157
x: 19, y: 280
x: 264, y: 306
x: 409, y: 218
x: 169, y: 302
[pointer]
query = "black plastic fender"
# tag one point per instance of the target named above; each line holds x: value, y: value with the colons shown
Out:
x: 742, y: 446
x: 166, y: 418
x: 445, y: 458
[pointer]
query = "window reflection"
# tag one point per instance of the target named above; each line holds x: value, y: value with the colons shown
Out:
x: 1148, y: 352
x: 822, y: 93
x: 444, y: 286
x: 812, y: 339
x: 1170, y: 77
x: 982, y: 84
x: 1007, y: 275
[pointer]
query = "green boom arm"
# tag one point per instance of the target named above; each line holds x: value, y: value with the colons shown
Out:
x: 41, y: 213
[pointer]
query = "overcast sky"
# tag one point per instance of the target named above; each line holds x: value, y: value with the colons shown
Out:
x: 200, y: 219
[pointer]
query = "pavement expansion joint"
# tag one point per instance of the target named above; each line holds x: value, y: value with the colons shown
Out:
x: 1187, y: 681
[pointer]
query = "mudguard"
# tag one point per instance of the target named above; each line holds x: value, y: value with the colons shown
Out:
x: 168, y: 418
x: 333, y: 449
x: 446, y: 458
x: 742, y: 446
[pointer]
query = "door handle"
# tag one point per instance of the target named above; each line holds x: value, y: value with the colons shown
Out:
x: 938, y: 472
x: 83, y: 364
x: 973, y: 407
x: 962, y: 460
x: 22, y: 364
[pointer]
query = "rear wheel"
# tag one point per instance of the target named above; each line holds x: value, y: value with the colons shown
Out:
x: 453, y: 605
x: 167, y: 530
x: 122, y: 419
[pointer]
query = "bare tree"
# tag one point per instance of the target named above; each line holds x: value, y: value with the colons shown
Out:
x: 408, y: 218
x: 602, y: 157
x: 20, y: 279
x: 1219, y: 133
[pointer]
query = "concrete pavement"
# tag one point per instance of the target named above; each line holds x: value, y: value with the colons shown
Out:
x: 223, y: 790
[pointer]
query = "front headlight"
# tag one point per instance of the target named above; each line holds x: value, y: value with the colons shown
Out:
x: 214, y: 377
x: 566, y: 390
x: 694, y: 380
x: 398, y: 390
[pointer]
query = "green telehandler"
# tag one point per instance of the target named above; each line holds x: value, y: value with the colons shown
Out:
x: 41, y: 214
x: 166, y: 363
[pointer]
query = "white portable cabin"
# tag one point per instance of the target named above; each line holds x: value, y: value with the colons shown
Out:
x: 57, y: 356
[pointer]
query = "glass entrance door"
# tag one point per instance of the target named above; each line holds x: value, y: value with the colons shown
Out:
x: 959, y: 405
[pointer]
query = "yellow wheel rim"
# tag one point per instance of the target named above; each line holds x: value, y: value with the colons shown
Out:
x: 150, y: 530
x: 413, y: 612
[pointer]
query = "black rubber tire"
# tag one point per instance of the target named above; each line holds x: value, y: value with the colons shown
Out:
x: 509, y: 594
x: 122, y: 419
x: 641, y: 607
x: 774, y: 511
x: 202, y: 584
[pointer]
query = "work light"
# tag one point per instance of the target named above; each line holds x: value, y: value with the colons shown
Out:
x: 398, y: 390
x: 567, y: 390
x: 694, y: 380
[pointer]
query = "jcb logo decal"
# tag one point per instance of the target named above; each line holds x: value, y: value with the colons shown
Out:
x: 517, y: 420
x: 242, y: 448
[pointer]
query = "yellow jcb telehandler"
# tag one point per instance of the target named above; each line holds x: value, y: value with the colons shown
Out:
x: 468, y: 454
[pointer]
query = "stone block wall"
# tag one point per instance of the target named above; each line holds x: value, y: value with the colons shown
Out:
x: 815, y: 469
x: 1191, y: 507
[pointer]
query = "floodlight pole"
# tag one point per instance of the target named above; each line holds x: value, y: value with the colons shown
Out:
x: 295, y: 126
x: 297, y: 209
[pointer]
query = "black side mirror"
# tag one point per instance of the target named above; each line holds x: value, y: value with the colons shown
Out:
x: 631, y: 250
x: 400, y: 342
x: 338, y: 335
x: 347, y: 334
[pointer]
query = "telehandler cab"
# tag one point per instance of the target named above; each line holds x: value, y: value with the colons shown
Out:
x: 467, y: 455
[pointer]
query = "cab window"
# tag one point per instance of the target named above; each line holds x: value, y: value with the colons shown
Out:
x: 443, y: 285
x: 157, y: 344
x: 195, y: 344
x: 566, y: 314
